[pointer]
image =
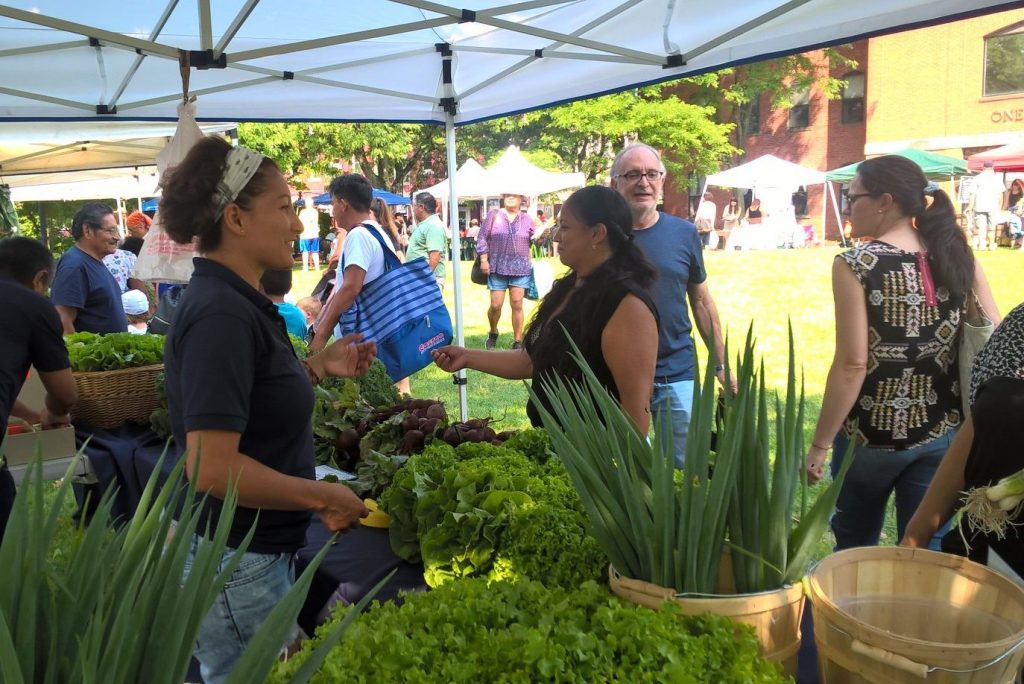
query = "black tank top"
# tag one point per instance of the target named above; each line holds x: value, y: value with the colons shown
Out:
x: 584, y: 317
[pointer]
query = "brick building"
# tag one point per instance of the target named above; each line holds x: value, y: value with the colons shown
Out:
x: 954, y: 88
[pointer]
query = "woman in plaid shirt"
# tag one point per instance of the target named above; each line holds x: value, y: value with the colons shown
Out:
x: 504, y: 248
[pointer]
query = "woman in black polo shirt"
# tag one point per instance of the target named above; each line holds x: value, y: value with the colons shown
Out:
x: 235, y: 389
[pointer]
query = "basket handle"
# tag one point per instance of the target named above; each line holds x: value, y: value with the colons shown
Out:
x: 889, y: 658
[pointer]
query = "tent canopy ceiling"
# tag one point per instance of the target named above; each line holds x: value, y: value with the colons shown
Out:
x: 767, y: 171
x: 40, y: 147
x: 383, y: 59
x: 390, y: 198
x: 1006, y: 158
x: 935, y: 166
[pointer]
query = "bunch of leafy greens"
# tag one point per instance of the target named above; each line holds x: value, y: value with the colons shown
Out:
x: 375, y: 472
x: 90, y: 352
x: 376, y: 387
x: 484, y: 510
x: 475, y: 631
x: 336, y: 410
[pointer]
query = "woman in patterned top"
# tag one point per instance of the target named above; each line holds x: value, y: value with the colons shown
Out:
x: 893, y: 385
x: 503, y: 244
x: 986, y: 449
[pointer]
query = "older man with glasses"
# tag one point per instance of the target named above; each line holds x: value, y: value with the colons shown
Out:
x: 674, y: 247
x: 84, y: 291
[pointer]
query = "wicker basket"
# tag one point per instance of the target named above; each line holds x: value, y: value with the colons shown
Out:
x: 108, y: 399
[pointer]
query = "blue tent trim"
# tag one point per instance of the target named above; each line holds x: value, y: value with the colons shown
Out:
x: 388, y: 197
x: 150, y: 205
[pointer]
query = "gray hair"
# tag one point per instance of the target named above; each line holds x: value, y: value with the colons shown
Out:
x: 635, y: 146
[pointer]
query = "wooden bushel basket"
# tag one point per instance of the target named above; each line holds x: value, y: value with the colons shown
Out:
x: 108, y: 399
x: 898, y: 615
x: 774, y: 615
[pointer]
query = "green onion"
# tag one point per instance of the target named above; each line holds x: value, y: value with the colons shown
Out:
x: 992, y: 509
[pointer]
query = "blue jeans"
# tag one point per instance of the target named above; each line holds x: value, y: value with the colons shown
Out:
x: 676, y: 397
x: 254, y: 589
x: 873, y: 476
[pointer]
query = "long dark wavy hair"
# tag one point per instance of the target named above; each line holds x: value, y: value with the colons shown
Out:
x: 627, y: 265
x: 949, y: 254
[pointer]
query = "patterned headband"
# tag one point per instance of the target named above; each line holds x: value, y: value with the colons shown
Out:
x: 240, y: 166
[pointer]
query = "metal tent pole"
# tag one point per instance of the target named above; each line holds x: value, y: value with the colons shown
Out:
x: 456, y: 247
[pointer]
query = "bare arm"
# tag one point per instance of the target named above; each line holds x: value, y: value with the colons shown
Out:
x: 339, y: 303
x: 849, y: 364
x: 705, y: 317
x: 61, y: 391
x: 67, y: 314
x: 984, y: 292
x: 511, y: 365
x: 136, y: 284
x: 259, y: 486
x: 944, y: 491
x: 629, y: 344
x: 433, y: 258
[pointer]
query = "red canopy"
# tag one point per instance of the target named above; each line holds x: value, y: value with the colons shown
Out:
x: 1006, y: 158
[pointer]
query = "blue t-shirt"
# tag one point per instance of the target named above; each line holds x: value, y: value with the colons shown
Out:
x: 674, y: 248
x: 294, y: 319
x: 84, y: 283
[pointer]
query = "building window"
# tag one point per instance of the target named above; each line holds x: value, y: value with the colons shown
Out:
x: 750, y: 116
x: 800, y: 111
x: 853, y: 98
x: 1004, y: 61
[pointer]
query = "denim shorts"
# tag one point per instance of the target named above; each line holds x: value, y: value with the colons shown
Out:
x: 500, y: 283
x: 309, y: 245
x: 254, y: 589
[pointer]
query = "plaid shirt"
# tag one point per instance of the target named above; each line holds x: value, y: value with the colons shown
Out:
x: 507, y: 245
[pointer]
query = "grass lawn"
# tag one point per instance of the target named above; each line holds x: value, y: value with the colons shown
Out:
x: 766, y: 288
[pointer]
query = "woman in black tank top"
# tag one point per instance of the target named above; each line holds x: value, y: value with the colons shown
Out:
x: 602, y: 304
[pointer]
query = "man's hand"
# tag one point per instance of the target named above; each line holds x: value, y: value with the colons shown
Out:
x: 49, y: 421
x: 339, y: 507
x: 732, y: 384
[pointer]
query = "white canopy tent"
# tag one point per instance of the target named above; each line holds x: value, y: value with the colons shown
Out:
x: 50, y: 146
x: 399, y: 60
x: 771, y: 176
x: 472, y: 182
x: 127, y: 183
x: 512, y: 172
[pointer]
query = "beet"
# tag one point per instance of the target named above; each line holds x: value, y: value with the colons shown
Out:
x: 435, y: 411
x: 489, y: 434
x: 347, y: 440
x: 496, y: 442
x: 476, y: 423
x: 474, y: 436
x: 452, y: 436
x: 410, y: 423
x: 429, y: 425
x: 412, y: 441
x: 505, y: 434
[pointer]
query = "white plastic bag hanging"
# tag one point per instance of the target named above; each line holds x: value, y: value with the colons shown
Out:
x: 161, y: 259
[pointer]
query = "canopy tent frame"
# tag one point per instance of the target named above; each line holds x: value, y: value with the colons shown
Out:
x: 450, y: 105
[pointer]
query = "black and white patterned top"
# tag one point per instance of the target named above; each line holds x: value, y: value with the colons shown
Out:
x: 1003, y: 354
x: 911, y: 392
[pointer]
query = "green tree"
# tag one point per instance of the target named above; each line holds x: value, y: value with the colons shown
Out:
x: 730, y: 90
x: 389, y: 155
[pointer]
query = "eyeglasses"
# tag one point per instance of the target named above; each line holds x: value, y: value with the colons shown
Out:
x: 853, y: 197
x: 635, y: 176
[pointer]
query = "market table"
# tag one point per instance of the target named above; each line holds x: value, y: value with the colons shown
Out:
x: 356, y: 562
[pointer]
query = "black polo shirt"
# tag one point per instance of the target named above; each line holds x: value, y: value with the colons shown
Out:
x: 30, y: 335
x: 230, y: 366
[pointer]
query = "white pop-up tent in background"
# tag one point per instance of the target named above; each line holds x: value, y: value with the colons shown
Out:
x: 418, y: 61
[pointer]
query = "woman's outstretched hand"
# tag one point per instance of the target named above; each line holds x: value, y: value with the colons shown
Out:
x: 451, y: 358
x: 348, y: 357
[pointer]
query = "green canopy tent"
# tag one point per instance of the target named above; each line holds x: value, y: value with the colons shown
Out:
x: 937, y: 167
x: 8, y: 216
